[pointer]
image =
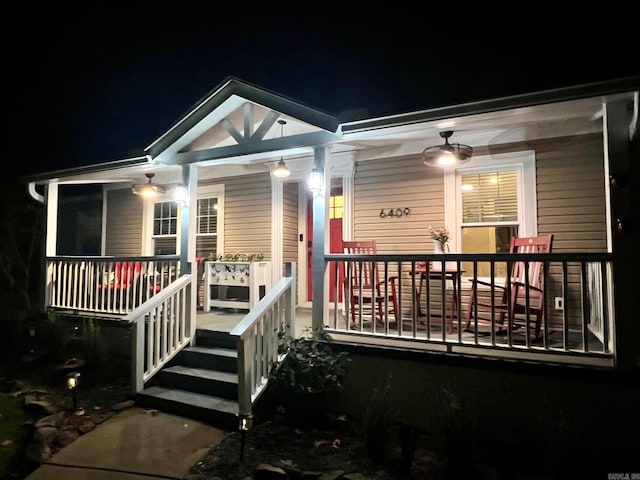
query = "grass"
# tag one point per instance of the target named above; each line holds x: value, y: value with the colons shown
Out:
x: 12, y: 433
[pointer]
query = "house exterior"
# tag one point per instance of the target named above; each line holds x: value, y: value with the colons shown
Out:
x: 567, y: 160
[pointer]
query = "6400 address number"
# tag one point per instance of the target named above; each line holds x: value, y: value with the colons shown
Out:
x: 394, y: 212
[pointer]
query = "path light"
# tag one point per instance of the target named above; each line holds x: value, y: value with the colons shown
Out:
x: 244, y: 425
x: 72, y: 384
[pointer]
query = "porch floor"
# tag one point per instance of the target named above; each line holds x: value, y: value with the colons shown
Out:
x: 225, y: 319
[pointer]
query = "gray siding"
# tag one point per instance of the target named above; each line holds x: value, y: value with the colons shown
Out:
x: 571, y: 195
x: 571, y: 206
x: 290, y: 223
x: 124, y: 223
x: 247, y: 214
x: 398, y: 184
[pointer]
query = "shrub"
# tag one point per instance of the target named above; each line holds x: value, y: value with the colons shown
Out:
x: 311, y: 364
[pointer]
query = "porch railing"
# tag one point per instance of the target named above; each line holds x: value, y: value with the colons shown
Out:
x: 107, y: 285
x: 163, y: 325
x: 258, y: 338
x: 577, y: 316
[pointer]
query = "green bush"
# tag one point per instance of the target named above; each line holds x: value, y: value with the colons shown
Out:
x: 311, y: 365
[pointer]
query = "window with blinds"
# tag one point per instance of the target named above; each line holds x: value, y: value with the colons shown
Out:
x: 489, y: 197
x: 207, y: 232
x: 489, y: 216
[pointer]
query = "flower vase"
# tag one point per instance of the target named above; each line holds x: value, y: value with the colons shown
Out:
x: 439, y: 248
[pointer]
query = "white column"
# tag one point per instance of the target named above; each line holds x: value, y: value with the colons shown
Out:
x: 277, y: 220
x: 320, y: 306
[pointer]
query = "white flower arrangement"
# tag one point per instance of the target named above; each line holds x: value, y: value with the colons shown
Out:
x: 439, y: 233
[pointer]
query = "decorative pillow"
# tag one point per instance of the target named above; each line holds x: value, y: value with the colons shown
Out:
x: 108, y: 278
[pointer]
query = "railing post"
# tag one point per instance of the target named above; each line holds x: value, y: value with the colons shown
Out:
x: 137, y: 356
x: 290, y: 271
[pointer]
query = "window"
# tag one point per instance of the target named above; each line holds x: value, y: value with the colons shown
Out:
x: 207, y: 227
x: 336, y: 206
x: 165, y: 227
x: 489, y: 215
x: 209, y: 221
x: 490, y: 200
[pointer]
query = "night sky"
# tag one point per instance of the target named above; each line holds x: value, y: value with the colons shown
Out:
x: 93, y: 85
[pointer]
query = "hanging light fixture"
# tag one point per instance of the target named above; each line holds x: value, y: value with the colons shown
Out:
x: 148, y: 189
x: 448, y: 154
x: 281, y: 170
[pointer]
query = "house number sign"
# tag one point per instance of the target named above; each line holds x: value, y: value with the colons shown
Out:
x: 394, y: 212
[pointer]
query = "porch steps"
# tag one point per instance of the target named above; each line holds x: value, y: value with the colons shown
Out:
x: 201, y: 382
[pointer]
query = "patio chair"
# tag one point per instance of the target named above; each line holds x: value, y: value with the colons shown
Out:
x: 364, y: 289
x: 514, y: 293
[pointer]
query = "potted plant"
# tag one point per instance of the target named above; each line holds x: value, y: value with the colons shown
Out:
x: 311, y: 370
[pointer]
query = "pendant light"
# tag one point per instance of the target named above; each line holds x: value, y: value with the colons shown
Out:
x: 148, y: 189
x: 447, y: 155
x: 281, y: 170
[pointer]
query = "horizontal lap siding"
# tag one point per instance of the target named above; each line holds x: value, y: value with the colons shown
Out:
x: 247, y: 214
x: 124, y: 223
x: 571, y: 206
x: 398, y: 183
x: 290, y: 224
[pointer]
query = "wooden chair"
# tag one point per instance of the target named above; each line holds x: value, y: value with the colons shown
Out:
x: 363, y: 287
x: 513, y: 294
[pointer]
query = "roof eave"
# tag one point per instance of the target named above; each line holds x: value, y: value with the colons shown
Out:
x: 611, y: 87
x: 70, y: 172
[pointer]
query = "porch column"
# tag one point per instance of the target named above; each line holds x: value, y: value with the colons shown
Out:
x: 623, y: 163
x: 277, y: 220
x: 320, y: 306
x: 188, y: 210
x: 51, y: 234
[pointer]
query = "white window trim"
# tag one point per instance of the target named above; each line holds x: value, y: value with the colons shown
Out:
x: 217, y: 191
x: 524, y: 163
x: 203, y: 192
x: 147, y: 227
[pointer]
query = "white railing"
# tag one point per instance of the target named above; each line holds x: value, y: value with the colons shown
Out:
x: 163, y: 325
x: 259, y: 336
x: 107, y: 285
x: 577, y: 319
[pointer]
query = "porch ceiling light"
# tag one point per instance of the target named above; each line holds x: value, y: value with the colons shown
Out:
x: 448, y: 154
x: 281, y: 171
x: 148, y: 189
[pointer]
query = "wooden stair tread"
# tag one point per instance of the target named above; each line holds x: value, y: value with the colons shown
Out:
x: 203, y: 373
x: 192, y: 399
x: 223, y: 352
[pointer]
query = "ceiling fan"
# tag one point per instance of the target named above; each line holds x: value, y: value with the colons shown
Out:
x: 447, y: 154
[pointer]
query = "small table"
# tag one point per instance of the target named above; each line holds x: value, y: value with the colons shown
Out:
x: 439, y: 274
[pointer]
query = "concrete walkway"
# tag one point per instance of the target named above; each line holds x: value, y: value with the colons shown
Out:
x: 136, y: 444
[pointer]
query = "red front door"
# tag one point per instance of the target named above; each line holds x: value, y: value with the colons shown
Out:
x: 335, y: 241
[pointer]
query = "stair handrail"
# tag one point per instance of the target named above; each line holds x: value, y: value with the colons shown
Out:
x: 258, y: 338
x: 137, y: 317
